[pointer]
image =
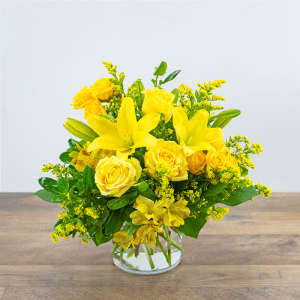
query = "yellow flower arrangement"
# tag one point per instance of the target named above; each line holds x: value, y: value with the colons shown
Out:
x: 149, y: 162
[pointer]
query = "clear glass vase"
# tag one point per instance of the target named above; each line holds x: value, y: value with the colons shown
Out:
x: 144, y: 261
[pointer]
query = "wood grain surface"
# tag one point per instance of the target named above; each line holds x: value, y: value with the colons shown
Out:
x: 254, y: 253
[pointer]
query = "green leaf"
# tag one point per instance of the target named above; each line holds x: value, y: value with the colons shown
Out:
x: 65, y: 158
x: 244, y: 172
x: 240, y: 195
x: 193, y: 226
x: 180, y: 185
x: 143, y: 186
x: 88, y: 178
x: 197, y: 94
x: 161, y: 70
x: 133, y: 228
x: 140, y: 87
x: 47, y: 181
x: 45, y: 195
x: 129, y: 210
x: 148, y: 194
x: 63, y: 184
x: 58, y: 198
x: 57, y: 223
x: 175, y: 92
x: 113, y: 222
x: 214, y: 189
x: 72, y: 143
x: 171, y: 76
x: 120, y: 202
x: 223, y: 118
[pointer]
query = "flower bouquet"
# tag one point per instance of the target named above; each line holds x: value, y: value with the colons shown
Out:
x: 150, y: 166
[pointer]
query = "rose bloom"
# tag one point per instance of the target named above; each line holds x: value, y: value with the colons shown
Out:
x: 219, y: 145
x: 170, y: 153
x: 103, y: 89
x: 158, y: 100
x: 114, y: 176
x: 83, y: 98
x: 197, y: 162
x: 94, y: 108
x: 218, y: 160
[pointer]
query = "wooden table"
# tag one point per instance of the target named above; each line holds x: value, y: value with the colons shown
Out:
x: 254, y: 253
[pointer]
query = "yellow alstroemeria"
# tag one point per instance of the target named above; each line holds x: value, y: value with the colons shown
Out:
x: 176, y: 212
x: 122, y: 239
x: 147, y: 209
x: 147, y: 233
x: 193, y: 134
x: 127, y: 134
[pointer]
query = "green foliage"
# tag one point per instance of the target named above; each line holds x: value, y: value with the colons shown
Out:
x: 88, y: 179
x: 239, y: 196
x: 244, y: 172
x: 214, y: 189
x: 171, y: 76
x: 161, y: 70
x: 65, y: 158
x: 133, y: 228
x: 45, y: 195
x: 140, y: 99
x: 122, y: 201
x: 176, y: 93
x: 192, y: 226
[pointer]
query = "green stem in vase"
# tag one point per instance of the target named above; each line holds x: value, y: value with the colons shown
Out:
x: 158, y: 243
x: 121, y: 253
x: 173, y: 243
x: 148, y: 256
x: 114, y: 249
x: 130, y: 253
x: 151, y: 251
x: 166, y: 229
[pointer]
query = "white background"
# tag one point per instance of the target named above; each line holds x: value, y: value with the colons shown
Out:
x: 50, y: 50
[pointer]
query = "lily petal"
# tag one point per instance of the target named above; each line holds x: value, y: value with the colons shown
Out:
x: 102, y: 125
x: 213, y: 135
x: 180, y: 117
x: 197, y: 125
x: 108, y: 142
x: 148, y: 122
x: 126, y: 121
x: 143, y: 139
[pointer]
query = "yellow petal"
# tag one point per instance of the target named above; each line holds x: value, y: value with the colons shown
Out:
x: 143, y: 139
x: 151, y: 239
x: 102, y: 125
x: 197, y: 126
x: 180, y: 117
x: 181, y: 134
x: 138, y: 218
x: 201, y: 145
x: 108, y: 142
x: 126, y: 121
x: 213, y: 135
x: 148, y: 122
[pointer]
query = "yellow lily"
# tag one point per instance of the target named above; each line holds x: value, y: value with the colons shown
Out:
x: 127, y: 134
x: 193, y: 134
x: 176, y: 212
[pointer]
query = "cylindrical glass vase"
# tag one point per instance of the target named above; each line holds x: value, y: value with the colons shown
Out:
x: 144, y: 261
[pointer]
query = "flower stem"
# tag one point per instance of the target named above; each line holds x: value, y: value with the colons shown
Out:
x: 158, y: 243
x: 173, y: 243
x: 148, y: 256
x: 130, y: 253
x: 151, y: 251
x: 166, y: 229
x: 121, y: 253
x: 114, y: 249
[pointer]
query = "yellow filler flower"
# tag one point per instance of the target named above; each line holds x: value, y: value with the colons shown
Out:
x: 127, y: 134
x: 193, y: 134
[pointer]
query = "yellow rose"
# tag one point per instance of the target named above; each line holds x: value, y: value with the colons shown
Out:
x: 172, y: 155
x: 158, y: 100
x: 94, y: 108
x: 218, y: 160
x: 219, y: 145
x: 114, y: 176
x: 83, y: 98
x: 103, y: 89
x: 197, y: 162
